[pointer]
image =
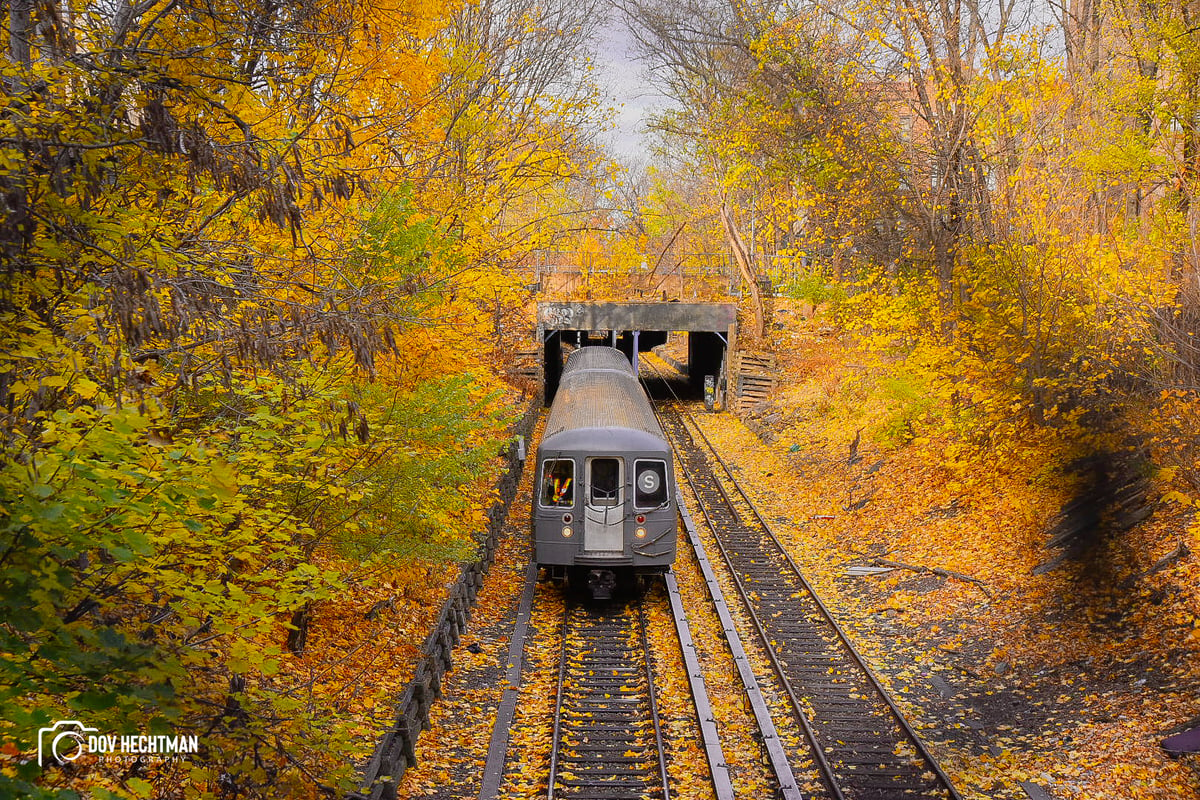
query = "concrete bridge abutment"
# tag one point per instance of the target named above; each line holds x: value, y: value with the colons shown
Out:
x: 636, y: 328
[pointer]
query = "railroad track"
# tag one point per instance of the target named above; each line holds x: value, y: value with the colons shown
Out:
x: 608, y: 742
x: 859, y: 739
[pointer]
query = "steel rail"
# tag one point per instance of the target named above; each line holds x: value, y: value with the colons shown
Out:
x: 882, y: 693
x: 798, y: 713
x: 772, y: 742
x: 780, y: 764
x: 717, y: 767
x: 658, y: 737
x: 493, y: 768
x: 556, y: 739
x: 719, y: 770
x: 849, y: 756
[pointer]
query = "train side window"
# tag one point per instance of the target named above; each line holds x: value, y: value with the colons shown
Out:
x: 650, y: 483
x: 604, y: 481
x: 558, y: 482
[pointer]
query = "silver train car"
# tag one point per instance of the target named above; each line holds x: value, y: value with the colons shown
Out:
x: 604, y: 506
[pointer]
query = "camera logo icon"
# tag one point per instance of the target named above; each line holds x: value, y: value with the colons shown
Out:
x: 62, y: 742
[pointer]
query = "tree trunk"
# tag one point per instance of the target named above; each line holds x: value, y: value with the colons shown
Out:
x: 297, y: 638
x: 20, y: 28
x: 1184, y: 271
x: 745, y: 266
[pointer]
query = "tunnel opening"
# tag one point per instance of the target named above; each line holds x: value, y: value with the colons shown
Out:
x: 636, y: 328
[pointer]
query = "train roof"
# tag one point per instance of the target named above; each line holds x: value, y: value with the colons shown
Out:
x: 593, y: 358
x: 598, y: 389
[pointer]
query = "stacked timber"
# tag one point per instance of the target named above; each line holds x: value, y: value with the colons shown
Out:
x: 526, y: 363
x: 754, y: 378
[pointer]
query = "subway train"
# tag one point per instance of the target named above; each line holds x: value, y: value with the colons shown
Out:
x: 604, y: 508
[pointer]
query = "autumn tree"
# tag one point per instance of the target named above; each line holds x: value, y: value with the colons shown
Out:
x: 1005, y: 205
x: 1155, y: 112
x: 519, y: 114
x: 700, y: 53
x: 227, y: 254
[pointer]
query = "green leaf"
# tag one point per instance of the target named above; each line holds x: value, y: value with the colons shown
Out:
x: 94, y: 701
x: 140, y: 787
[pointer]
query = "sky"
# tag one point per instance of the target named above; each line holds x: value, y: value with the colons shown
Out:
x: 627, y: 86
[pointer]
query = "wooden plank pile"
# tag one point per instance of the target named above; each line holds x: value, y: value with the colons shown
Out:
x: 526, y: 363
x: 755, y: 376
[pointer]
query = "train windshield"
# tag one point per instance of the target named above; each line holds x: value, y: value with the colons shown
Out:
x: 651, y: 483
x: 558, y: 482
x: 605, y: 482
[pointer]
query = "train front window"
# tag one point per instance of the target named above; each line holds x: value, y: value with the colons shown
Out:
x: 651, y: 483
x: 558, y: 482
x: 605, y: 481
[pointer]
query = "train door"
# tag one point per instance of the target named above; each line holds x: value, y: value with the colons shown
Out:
x: 604, y: 506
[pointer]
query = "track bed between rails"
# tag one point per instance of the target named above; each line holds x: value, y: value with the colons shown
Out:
x: 607, y: 739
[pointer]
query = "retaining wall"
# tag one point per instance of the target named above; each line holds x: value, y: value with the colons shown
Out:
x: 396, y: 751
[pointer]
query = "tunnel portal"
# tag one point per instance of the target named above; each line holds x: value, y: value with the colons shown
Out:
x: 636, y: 328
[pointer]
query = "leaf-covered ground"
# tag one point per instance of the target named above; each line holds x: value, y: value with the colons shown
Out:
x: 452, y: 752
x: 1068, y: 678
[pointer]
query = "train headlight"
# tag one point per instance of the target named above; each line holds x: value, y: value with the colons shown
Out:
x: 567, y: 531
x: 640, y: 533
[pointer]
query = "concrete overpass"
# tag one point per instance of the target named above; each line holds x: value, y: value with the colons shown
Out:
x: 635, y: 328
